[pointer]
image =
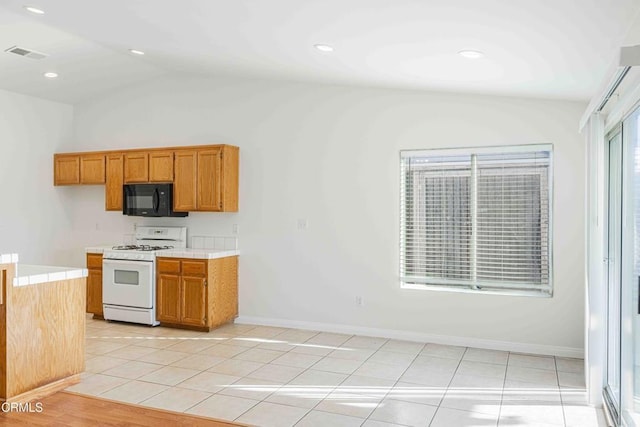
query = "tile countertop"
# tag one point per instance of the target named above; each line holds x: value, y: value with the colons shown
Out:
x: 179, y: 252
x: 33, y: 274
x: 98, y: 249
x: 198, y: 253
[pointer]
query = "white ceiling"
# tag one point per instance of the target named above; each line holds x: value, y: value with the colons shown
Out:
x: 538, y: 48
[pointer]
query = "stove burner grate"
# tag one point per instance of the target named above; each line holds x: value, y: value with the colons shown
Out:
x: 145, y: 248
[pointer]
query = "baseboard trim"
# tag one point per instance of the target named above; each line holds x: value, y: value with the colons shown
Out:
x: 45, y: 390
x: 517, y: 347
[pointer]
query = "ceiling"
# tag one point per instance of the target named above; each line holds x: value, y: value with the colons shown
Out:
x: 557, y: 49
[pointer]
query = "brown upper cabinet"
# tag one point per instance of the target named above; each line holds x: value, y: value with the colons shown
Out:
x: 115, y: 180
x: 185, y: 180
x: 210, y: 180
x: 75, y: 169
x: 136, y: 167
x: 205, y: 177
x: 161, y: 166
x: 92, y: 169
x: 148, y: 166
x: 66, y: 169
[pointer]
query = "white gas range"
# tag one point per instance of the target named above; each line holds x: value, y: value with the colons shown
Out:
x: 129, y: 274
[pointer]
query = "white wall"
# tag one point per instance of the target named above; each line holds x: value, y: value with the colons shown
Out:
x: 34, y: 218
x: 330, y: 154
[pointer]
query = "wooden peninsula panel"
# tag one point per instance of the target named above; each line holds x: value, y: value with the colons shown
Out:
x: 42, y: 336
x: 6, y: 271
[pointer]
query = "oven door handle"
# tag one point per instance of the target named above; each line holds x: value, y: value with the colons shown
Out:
x: 111, y: 261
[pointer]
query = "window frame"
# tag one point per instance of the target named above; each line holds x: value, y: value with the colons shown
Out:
x: 453, y: 285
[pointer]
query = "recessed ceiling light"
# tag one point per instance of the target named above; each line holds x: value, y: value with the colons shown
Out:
x: 471, y: 54
x: 51, y: 75
x: 136, y: 52
x: 34, y: 10
x: 323, y: 47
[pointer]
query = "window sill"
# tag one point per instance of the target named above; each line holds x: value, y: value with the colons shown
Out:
x: 459, y: 289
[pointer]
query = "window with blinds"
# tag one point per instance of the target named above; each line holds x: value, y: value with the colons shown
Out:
x: 477, y: 219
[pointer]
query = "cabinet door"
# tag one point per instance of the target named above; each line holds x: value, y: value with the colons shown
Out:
x: 66, y: 169
x: 114, y: 182
x: 230, y: 178
x: 136, y: 167
x: 168, y: 298
x: 161, y: 166
x: 92, y: 169
x: 94, y: 284
x: 209, y: 181
x: 94, y: 291
x: 193, y: 301
x: 184, y: 183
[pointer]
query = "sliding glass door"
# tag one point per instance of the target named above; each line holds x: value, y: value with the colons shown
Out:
x: 622, y: 261
x: 630, y: 274
x: 612, y: 395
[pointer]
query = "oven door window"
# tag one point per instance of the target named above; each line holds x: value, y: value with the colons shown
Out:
x: 126, y: 277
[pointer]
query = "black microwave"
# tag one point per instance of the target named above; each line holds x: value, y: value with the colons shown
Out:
x: 149, y: 200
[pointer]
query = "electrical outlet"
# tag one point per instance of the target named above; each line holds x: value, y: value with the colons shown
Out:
x: 235, y: 229
x: 359, y: 301
x: 303, y: 223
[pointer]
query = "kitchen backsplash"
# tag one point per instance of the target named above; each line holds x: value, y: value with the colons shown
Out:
x: 227, y: 243
x: 213, y: 242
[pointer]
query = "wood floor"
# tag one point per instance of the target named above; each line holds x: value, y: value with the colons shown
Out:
x: 70, y: 409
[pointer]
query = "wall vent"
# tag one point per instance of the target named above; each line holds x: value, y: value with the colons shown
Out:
x: 27, y: 53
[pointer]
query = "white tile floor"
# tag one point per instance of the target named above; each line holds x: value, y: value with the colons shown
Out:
x: 269, y: 376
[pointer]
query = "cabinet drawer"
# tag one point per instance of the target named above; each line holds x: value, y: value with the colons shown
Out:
x: 94, y: 260
x: 166, y: 265
x: 194, y: 268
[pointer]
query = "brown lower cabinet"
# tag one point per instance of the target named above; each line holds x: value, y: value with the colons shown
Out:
x: 94, y: 284
x: 198, y: 293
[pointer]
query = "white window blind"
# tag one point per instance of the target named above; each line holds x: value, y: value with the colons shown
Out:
x: 477, y: 219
